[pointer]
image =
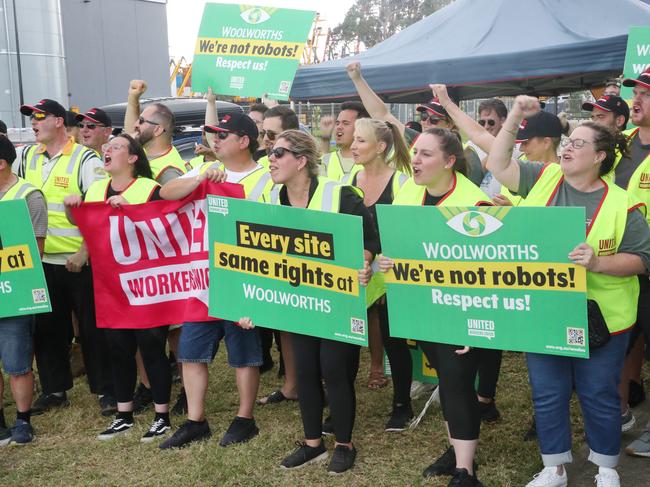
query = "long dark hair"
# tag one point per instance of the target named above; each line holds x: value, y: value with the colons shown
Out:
x: 141, y: 167
x: 611, y: 142
x: 451, y: 146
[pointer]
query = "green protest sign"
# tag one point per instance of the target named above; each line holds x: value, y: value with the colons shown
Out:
x: 23, y: 290
x: 637, y: 56
x: 287, y: 268
x: 492, y: 277
x: 243, y: 50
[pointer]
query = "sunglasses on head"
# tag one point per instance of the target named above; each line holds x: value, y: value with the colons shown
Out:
x: 270, y: 134
x: 489, y: 121
x: 279, y: 152
x: 38, y: 116
x: 433, y: 120
x: 91, y: 126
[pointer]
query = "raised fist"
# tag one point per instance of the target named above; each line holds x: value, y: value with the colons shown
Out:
x: 354, y: 70
x: 137, y: 87
x: 526, y: 105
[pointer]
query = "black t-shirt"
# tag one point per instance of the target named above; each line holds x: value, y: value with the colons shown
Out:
x: 351, y: 204
x: 385, y: 198
x: 627, y: 165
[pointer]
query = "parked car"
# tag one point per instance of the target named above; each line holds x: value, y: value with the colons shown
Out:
x: 188, y: 112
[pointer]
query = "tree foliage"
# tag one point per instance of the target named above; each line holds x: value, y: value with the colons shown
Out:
x: 372, y: 21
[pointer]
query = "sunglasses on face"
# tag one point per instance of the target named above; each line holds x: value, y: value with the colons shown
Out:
x: 279, y: 152
x: 143, y: 120
x: 432, y: 120
x: 269, y: 134
x: 39, y: 116
x: 223, y: 135
x: 489, y: 121
x: 91, y: 126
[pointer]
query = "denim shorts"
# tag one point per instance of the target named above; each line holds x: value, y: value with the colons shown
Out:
x: 200, y: 341
x: 16, y: 344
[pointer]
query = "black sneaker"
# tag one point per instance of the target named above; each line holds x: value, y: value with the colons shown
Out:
x: 117, y: 427
x: 342, y: 459
x: 531, y: 434
x: 45, y: 402
x: 189, y: 432
x: 461, y: 478
x: 304, y: 455
x: 142, y: 399
x: 180, y: 408
x: 5, y: 436
x: 489, y: 412
x: 159, y: 428
x: 240, y: 431
x: 444, y: 465
x: 328, y: 427
x: 400, y: 418
x: 107, y: 405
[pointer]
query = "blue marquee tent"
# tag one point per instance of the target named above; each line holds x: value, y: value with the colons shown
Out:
x: 484, y: 48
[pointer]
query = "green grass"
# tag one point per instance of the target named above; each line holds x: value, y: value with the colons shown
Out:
x: 67, y: 453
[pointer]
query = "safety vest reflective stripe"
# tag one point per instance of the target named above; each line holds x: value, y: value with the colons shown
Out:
x: 256, y: 193
x: 62, y: 236
x: 616, y: 296
x: 19, y: 190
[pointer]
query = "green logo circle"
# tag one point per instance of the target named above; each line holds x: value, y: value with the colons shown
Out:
x: 474, y: 223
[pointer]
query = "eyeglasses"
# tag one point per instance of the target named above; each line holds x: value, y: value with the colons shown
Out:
x: 39, y: 116
x: 432, y: 120
x: 279, y: 152
x: 575, y: 143
x: 113, y: 147
x: 143, y: 120
x: 91, y: 126
x: 270, y: 134
x: 489, y: 121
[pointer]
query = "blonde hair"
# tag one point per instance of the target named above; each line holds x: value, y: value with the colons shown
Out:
x: 303, y: 144
x: 396, y: 152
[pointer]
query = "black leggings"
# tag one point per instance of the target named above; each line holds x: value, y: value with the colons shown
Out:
x: 489, y: 366
x: 338, y: 364
x: 456, y: 375
x: 399, y: 357
x: 151, y: 341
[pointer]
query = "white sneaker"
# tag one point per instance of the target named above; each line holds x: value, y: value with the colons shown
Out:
x: 548, y: 478
x: 607, y: 477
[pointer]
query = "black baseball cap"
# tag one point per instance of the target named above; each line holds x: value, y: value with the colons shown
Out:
x: 433, y: 108
x: 44, y: 106
x: 96, y: 115
x: 236, y: 123
x: 7, y: 150
x: 542, y: 124
x: 643, y: 80
x: 609, y: 103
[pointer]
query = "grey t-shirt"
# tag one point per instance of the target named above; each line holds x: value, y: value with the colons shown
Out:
x: 37, y: 212
x: 627, y: 165
x: 474, y: 169
x: 168, y: 175
x: 636, y: 238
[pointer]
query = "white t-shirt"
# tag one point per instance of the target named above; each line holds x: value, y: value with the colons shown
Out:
x: 231, y: 176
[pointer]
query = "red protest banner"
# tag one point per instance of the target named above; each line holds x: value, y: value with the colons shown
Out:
x: 150, y: 262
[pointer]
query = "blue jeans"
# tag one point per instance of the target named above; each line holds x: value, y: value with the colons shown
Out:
x: 16, y: 344
x: 595, y: 380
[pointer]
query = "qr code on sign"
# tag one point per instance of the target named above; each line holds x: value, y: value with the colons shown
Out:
x: 284, y: 87
x: 358, y: 326
x: 39, y: 296
x: 575, y: 336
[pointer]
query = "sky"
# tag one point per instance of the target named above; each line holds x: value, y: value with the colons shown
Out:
x: 184, y: 17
